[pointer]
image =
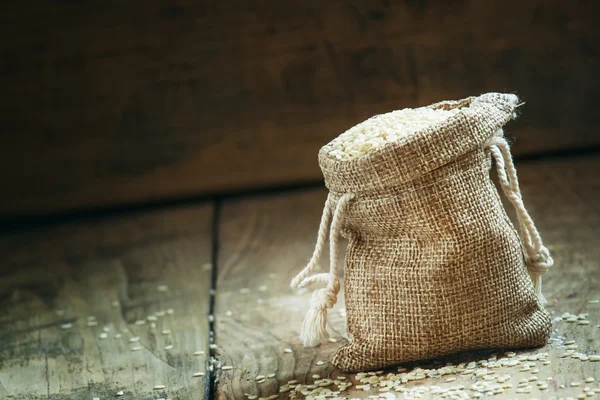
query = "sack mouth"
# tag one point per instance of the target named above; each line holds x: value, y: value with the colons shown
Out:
x: 424, y: 150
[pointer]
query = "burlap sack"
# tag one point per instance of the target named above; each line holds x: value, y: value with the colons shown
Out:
x: 434, y: 266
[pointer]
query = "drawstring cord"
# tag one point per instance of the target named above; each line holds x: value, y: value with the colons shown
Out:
x: 537, y: 256
x: 314, y: 328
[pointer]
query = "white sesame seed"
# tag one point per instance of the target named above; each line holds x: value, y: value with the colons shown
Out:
x: 92, y: 323
x: 120, y: 393
x: 332, y: 340
x: 199, y: 353
x: 271, y: 376
x: 117, y: 335
x: 594, y: 358
x: 273, y: 396
x: 259, y: 377
x: 590, y: 379
x: 197, y: 374
x: 575, y: 384
x: 66, y: 326
x: 140, y: 322
x: 136, y: 348
x: 162, y: 288
x: 595, y: 301
x: 166, y: 332
x: 320, y: 362
x: 103, y: 335
x: 583, y: 322
x: 288, y: 350
x: 158, y: 387
x: 168, y: 347
x: 228, y: 313
x: 170, y: 311
x: 253, y: 397
x: 226, y: 367
x: 134, y: 339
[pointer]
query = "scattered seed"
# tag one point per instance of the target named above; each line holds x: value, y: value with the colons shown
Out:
x: 158, y: 387
x: 583, y: 322
x: 594, y: 358
x: 332, y: 340
x: 575, y: 384
x: 103, y: 335
x: 253, y: 397
x: 66, y: 326
x: 316, y: 376
x: 166, y: 332
x: 320, y: 362
x: 170, y: 311
x: 120, y: 393
x: 288, y: 350
x: 228, y: 313
x: 226, y: 367
x: 117, y: 335
x: 92, y: 323
x: 136, y: 348
x: 273, y: 396
x: 162, y: 288
x: 590, y: 379
x: 199, y: 353
x: 168, y: 347
x: 140, y: 322
x: 451, y: 379
x: 197, y: 374
x: 271, y: 376
x: 595, y: 301
x: 134, y: 339
x: 211, y: 318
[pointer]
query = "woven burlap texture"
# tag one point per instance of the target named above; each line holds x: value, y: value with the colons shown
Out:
x: 433, y: 266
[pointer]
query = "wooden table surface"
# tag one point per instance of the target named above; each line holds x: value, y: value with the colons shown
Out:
x: 141, y: 302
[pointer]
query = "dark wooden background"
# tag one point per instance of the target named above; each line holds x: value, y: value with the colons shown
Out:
x: 114, y: 102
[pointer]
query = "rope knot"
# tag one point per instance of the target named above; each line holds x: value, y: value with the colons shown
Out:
x: 540, y: 262
x: 323, y: 298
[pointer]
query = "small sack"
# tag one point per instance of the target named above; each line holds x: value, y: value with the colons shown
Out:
x: 433, y: 266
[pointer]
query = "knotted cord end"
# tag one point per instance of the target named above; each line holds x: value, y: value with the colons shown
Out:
x: 314, y: 328
x: 538, y: 266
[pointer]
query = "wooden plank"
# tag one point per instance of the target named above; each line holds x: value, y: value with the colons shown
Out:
x: 126, y: 103
x: 71, y: 273
x: 266, y: 240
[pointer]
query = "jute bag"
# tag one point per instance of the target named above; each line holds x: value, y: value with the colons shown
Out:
x: 433, y: 266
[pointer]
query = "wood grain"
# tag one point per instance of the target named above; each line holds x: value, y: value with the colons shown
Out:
x: 128, y: 103
x: 266, y: 240
x: 71, y: 272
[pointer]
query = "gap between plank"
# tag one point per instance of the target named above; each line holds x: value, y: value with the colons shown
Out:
x: 210, y: 388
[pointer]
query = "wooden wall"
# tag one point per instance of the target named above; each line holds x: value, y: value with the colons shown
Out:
x: 114, y: 102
